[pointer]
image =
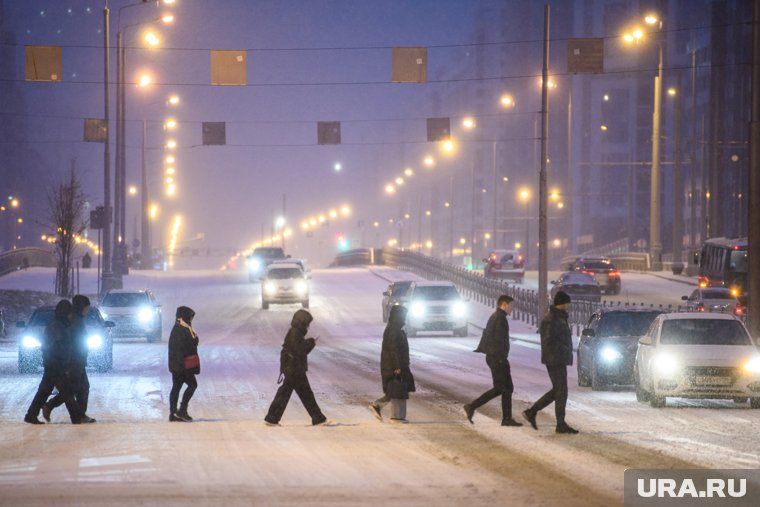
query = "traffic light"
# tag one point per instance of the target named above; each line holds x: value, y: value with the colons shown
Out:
x: 342, y: 242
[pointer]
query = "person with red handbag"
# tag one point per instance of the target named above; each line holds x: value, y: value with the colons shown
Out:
x: 184, y: 363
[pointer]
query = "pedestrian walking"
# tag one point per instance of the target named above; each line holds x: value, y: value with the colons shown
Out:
x: 56, y: 359
x: 86, y: 261
x: 80, y: 383
x: 494, y: 343
x: 397, y: 378
x: 293, y: 367
x: 184, y: 363
x: 557, y: 355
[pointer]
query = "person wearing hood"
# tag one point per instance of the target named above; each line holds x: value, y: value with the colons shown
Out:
x: 80, y: 383
x: 495, y: 345
x: 56, y: 359
x: 184, y: 363
x: 293, y: 368
x: 397, y: 378
x: 557, y: 355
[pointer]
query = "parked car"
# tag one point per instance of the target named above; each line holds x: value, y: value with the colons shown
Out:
x: 260, y: 259
x: 579, y: 286
x: 697, y: 355
x: 134, y: 312
x: 713, y: 299
x: 602, y: 270
x: 505, y: 265
x: 284, y: 284
x: 99, y: 341
x: 607, y: 348
x: 395, y: 294
x: 435, y: 306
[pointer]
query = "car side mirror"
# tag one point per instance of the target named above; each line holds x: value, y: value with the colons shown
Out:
x: 485, y: 260
x: 20, y: 323
x: 645, y: 340
x: 684, y: 298
x: 588, y: 332
x: 385, y: 293
x: 553, y: 282
x: 109, y: 323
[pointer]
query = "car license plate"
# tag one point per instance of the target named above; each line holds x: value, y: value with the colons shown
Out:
x: 713, y: 381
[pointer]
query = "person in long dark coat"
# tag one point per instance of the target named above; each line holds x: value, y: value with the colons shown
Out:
x: 183, y: 343
x: 557, y: 355
x: 56, y: 357
x: 397, y: 378
x: 495, y: 345
x: 293, y: 367
x: 80, y: 383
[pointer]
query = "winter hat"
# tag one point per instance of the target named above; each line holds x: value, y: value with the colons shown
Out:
x: 561, y: 298
x: 80, y: 302
x: 185, y: 313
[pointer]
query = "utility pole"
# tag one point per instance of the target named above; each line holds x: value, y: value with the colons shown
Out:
x: 543, y: 240
x: 108, y: 281
x: 655, y: 242
x: 753, y: 277
x: 677, y: 184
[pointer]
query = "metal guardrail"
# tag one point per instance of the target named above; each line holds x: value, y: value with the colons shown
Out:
x: 475, y: 286
x: 21, y: 258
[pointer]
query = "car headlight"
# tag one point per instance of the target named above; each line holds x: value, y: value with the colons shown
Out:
x: 145, y: 315
x: 30, y: 342
x: 418, y: 309
x: 459, y: 309
x: 666, y: 364
x: 753, y: 365
x: 254, y: 265
x: 94, y: 341
x: 270, y: 288
x: 300, y: 287
x: 610, y: 354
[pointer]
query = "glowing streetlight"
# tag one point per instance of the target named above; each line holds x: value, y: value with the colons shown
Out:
x: 603, y: 128
x: 171, y: 144
x: 408, y: 172
x: 429, y: 161
x: 170, y: 171
x: 345, y: 211
x: 145, y: 80
x: 153, y: 212
x: 14, y: 203
x: 399, y: 181
x: 173, y: 100
x: 672, y: 92
x: 448, y: 146
x: 333, y: 213
x: 171, y: 190
x: 167, y: 18
x: 507, y: 101
x: 390, y: 189
x: 152, y: 39
x: 170, y: 159
x: 651, y: 19
x: 279, y: 222
x: 132, y: 190
x: 337, y: 167
x: 170, y: 124
x: 428, y: 213
x: 375, y: 224
x: 468, y: 123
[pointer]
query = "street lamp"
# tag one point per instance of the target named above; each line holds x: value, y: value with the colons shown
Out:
x: 655, y: 242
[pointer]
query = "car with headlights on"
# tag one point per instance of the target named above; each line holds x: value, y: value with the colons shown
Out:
x: 713, y: 299
x: 579, y: 286
x: 395, y: 294
x: 697, y: 355
x: 284, y: 283
x: 260, y: 259
x: 32, y: 333
x: 435, y: 306
x: 608, y: 344
x: 134, y: 313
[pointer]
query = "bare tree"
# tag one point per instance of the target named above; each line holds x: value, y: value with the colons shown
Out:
x: 66, y: 216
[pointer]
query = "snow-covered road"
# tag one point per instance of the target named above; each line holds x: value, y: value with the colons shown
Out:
x: 133, y: 456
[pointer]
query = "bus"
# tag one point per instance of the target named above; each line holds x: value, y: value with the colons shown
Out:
x: 724, y: 262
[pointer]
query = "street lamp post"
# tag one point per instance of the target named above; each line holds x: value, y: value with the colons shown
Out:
x: 108, y: 276
x: 655, y: 242
x: 146, y: 260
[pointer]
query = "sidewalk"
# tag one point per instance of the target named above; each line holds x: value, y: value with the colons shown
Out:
x: 665, y: 275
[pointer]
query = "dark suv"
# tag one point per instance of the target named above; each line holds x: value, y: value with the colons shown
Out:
x: 602, y: 270
x: 260, y: 259
x: 607, y: 349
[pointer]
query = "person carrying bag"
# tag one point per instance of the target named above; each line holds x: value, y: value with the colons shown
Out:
x: 184, y: 363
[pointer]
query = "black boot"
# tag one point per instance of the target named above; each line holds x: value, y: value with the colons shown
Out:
x: 182, y: 413
x: 46, y: 411
x: 32, y: 419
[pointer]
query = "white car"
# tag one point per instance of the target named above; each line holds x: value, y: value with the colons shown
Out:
x: 435, y: 306
x: 284, y: 283
x: 134, y: 313
x: 697, y: 355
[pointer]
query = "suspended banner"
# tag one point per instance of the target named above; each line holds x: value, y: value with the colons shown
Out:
x: 409, y: 65
x: 43, y: 63
x: 328, y: 132
x: 228, y: 67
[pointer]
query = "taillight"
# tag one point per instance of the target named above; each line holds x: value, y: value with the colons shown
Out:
x: 700, y: 307
x: 738, y: 311
x: 613, y: 274
x: 703, y: 282
x: 590, y: 273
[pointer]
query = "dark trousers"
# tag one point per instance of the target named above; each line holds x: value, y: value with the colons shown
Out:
x: 52, y: 379
x: 300, y: 384
x: 557, y: 394
x: 502, y: 386
x: 80, y: 386
x: 178, y: 379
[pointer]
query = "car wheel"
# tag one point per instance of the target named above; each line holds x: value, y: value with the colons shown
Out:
x: 754, y: 402
x: 582, y: 379
x: 265, y: 305
x: 597, y: 382
x: 305, y: 304
x: 462, y: 331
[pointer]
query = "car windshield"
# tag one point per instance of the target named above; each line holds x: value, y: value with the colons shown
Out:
x: 716, y: 294
x: 122, y: 299
x: 41, y: 317
x: 400, y: 289
x: 703, y: 332
x: 597, y: 265
x: 626, y: 323
x: 284, y: 273
x: 269, y: 253
x: 436, y: 293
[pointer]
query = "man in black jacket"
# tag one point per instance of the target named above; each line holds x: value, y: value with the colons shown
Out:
x: 495, y: 345
x: 80, y: 383
x: 293, y: 367
x: 557, y: 355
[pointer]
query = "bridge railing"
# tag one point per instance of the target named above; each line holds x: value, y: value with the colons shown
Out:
x: 21, y: 258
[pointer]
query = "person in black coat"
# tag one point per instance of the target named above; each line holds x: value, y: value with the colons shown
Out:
x: 293, y: 367
x: 56, y: 358
x: 495, y: 345
x: 183, y: 349
x: 397, y: 378
x: 80, y: 383
x: 557, y: 355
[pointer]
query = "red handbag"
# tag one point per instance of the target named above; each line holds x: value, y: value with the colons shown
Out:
x: 192, y: 361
